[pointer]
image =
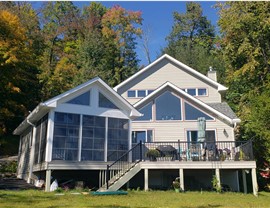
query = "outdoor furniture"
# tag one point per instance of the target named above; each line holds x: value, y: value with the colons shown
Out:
x: 167, y: 151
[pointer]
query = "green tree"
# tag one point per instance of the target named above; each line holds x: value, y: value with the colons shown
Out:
x: 61, y: 29
x: 245, y: 29
x: 193, y: 41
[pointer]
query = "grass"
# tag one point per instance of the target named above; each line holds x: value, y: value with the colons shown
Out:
x: 136, y: 199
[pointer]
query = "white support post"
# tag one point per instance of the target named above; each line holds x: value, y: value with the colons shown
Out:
x: 181, y: 175
x: 50, y: 128
x: 254, y: 181
x: 146, y: 179
x: 106, y: 139
x: 218, y: 177
x: 48, y: 180
x: 244, y: 181
x: 80, y: 139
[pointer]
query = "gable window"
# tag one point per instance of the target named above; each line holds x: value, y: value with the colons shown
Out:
x: 168, y: 107
x: 104, y: 102
x: 131, y: 93
x: 202, y: 92
x: 192, y: 113
x: 83, y: 99
x: 191, y: 92
x: 138, y: 93
x: 147, y: 113
x: 141, y: 93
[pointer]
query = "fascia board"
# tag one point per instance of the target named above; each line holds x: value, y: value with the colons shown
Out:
x: 184, y: 94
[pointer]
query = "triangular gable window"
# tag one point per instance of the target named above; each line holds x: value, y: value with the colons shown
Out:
x: 192, y: 113
x: 83, y: 99
x: 105, y: 102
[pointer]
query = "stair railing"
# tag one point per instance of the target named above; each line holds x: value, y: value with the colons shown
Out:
x: 124, y: 163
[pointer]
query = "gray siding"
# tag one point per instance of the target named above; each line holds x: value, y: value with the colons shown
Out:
x: 24, y: 154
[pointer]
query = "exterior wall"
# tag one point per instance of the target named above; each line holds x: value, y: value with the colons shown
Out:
x: 24, y: 154
x: 176, y: 130
x: 165, y: 71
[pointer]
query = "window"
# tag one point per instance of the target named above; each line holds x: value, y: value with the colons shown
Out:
x: 105, y: 102
x: 147, y: 113
x: 131, y: 93
x: 66, y: 136
x: 138, y: 93
x: 144, y: 136
x: 41, y: 138
x: 202, y: 92
x: 93, y: 138
x: 196, y: 91
x: 118, y: 130
x: 83, y: 99
x: 141, y: 93
x: 192, y: 113
x: 192, y: 136
x: 191, y: 92
x: 168, y: 107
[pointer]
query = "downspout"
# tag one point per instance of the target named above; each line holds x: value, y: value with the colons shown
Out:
x: 27, y: 120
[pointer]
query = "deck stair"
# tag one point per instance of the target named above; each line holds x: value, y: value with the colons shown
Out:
x: 123, y: 169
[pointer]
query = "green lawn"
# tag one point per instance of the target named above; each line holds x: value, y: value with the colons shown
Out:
x: 138, y: 199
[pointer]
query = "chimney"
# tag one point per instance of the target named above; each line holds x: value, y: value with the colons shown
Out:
x: 212, y: 74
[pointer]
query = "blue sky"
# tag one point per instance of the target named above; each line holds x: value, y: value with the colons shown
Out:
x: 158, y: 15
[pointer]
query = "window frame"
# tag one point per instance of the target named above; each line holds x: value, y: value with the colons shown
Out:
x: 184, y: 109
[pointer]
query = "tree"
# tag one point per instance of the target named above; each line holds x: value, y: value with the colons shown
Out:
x: 245, y: 29
x: 192, y: 40
x: 119, y: 29
x: 61, y: 28
x: 18, y: 72
x: 107, y: 48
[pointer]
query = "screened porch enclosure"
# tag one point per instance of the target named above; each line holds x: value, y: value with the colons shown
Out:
x: 80, y: 137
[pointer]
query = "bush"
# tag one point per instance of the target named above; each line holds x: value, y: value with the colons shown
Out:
x: 153, y: 153
x: 8, y: 167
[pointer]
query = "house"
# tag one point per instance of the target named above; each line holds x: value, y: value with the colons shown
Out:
x: 104, y: 136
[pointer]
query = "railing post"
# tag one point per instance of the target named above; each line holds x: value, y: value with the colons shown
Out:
x: 141, y: 151
x: 107, y: 177
x: 179, y: 150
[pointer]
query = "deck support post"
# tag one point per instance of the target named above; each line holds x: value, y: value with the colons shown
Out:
x: 244, y: 178
x: 181, y: 175
x: 48, y: 180
x: 218, y: 177
x: 254, y: 182
x: 145, y: 179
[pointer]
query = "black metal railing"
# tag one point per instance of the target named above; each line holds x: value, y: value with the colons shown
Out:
x: 123, y: 164
x: 198, y: 151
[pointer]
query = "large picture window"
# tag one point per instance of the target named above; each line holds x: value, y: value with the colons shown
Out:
x: 93, y: 138
x: 66, y: 136
x: 168, y: 107
x: 192, y: 113
x: 147, y: 113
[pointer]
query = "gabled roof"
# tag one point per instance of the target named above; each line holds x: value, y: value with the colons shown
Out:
x: 45, y: 107
x: 178, y: 63
x: 218, y: 113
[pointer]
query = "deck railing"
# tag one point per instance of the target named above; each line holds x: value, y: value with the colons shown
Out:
x: 198, y: 151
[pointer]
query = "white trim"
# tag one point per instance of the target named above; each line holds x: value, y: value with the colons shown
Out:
x: 80, y: 138
x: 106, y: 139
x: 189, y: 97
x: 49, y: 139
x: 187, y: 68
